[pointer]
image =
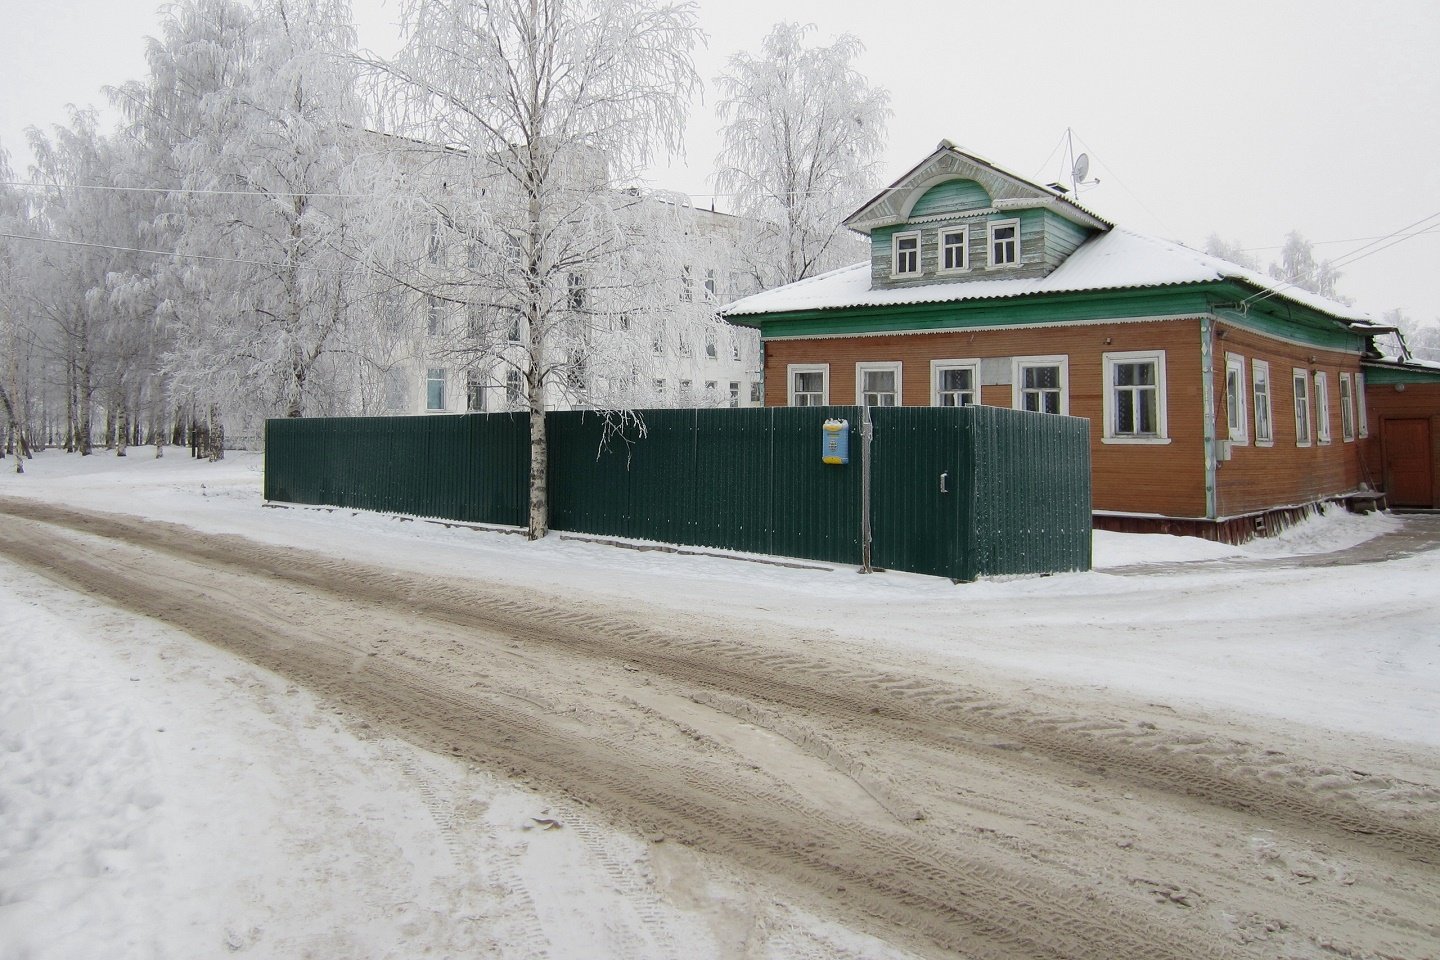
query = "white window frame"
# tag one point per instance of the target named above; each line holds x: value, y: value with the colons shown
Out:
x: 937, y: 367
x: 1322, y: 407
x: 1362, y: 419
x: 435, y: 375
x: 964, y: 231
x: 991, y: 227
x: 1018, y: 367
x: 1237, y: 411
x: 821, y: 368
x: 1300, y: 393
x: 1260, y: 373
x: 1347, y: 408
x: 1111, y: 408
x: 877, y: 366
x: 895, y: 239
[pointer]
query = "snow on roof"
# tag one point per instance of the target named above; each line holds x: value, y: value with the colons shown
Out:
x: 1118, y: 259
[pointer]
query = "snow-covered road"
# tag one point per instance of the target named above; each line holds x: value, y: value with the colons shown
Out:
x: 163, y: 798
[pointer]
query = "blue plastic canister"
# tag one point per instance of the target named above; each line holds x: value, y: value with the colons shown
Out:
x: 835, y: 445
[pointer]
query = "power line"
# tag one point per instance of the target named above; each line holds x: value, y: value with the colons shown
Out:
x: 157, y: 253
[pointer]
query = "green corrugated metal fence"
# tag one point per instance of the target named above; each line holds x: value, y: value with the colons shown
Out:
x: 1015, y: 494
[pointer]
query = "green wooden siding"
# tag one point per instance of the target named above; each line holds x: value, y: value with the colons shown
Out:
x: 1378, y: 375
x: 1016, y: 496
x: 952, y: 196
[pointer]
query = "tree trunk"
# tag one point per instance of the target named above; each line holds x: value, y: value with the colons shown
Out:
x: 122, y: 429
x: 539, y: 461
x: 17, y: 431
x: 215, y: 435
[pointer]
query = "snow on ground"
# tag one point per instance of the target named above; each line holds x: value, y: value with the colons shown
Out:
x: 159, y: 798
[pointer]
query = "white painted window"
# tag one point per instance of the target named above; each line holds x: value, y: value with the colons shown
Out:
x: 905, y: 253
x: 1134, y: 402
x: 877, y: 384
x: 954, y: 383
x: 1362, y: 422
x: 1004, y: 243
x: 1264, y: 414
x: 1347, y: 408
x: 954, y: 249
x: 435, y: 388
x: 1322, y: 407
x: 474, y: 391
x: 1041, y: 384
x: 1301, y: 381
x: 809, y: 384
x: 1236, y: 418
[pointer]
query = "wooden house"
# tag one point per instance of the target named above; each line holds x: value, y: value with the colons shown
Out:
x: 1221, y: 403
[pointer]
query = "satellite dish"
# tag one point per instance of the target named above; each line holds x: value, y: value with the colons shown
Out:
x: 1081, y: 168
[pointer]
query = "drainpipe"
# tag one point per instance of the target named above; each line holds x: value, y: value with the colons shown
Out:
x: 1207, y: 392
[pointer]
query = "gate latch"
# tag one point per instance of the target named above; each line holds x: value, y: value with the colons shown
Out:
x: 943, y: 477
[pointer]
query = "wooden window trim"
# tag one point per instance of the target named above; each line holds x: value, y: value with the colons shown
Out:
x: 1260, y: 371
x: 895, y: 239
x: 1108, y: 398
x: 821, y: 368
x: 964, y: 231
x: 881, y: 366
x: 938, y: 367
x: 1018, y: 365
x: 1300, y: 379
x: 990, y: 228
x: 1237, y: 420
x: 1322, y: 408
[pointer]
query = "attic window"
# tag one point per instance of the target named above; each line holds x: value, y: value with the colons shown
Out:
x: 954, y: 253
x: 1004, y: 243
x: 905, y: 250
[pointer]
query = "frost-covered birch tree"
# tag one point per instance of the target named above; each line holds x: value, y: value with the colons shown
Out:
x: 537, y: 112
x: 250, y: 116
x: 803, y: 131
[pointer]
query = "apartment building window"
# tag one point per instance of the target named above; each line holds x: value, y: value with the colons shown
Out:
x: 1041, y: 384
x: 435, y: 388
x: 515, y: 390
x: 734, y: 393
x: 712, y: 350
x: 474, y: 391
x: 432, y: 316
x: 809, y: 385
x: 954, y: 383
x: 877, y: 384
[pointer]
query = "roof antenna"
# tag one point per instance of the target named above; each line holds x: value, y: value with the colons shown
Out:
x: 1079, y: 166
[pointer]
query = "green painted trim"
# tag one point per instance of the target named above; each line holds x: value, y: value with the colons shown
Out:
x: 1377, y: 375
x: 1207, y: 406
x: 1279, y: 319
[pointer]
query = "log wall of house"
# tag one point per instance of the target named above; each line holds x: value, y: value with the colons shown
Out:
x: 1135, y: 478
x: 1258, y: 477
x: 1166, y: 479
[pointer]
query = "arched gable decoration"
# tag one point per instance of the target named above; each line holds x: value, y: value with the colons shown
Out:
x: 950, y: 195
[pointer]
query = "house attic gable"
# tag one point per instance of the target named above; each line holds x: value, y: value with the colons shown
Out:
x: 958, y: 218
x: 952, y: 181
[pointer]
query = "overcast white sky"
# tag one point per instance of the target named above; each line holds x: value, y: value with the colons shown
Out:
x: 1247, y: 119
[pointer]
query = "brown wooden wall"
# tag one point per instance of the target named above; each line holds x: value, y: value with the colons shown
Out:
x: 1259, y: 478
x: 1418, y: 401
x: 1167, y: 480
